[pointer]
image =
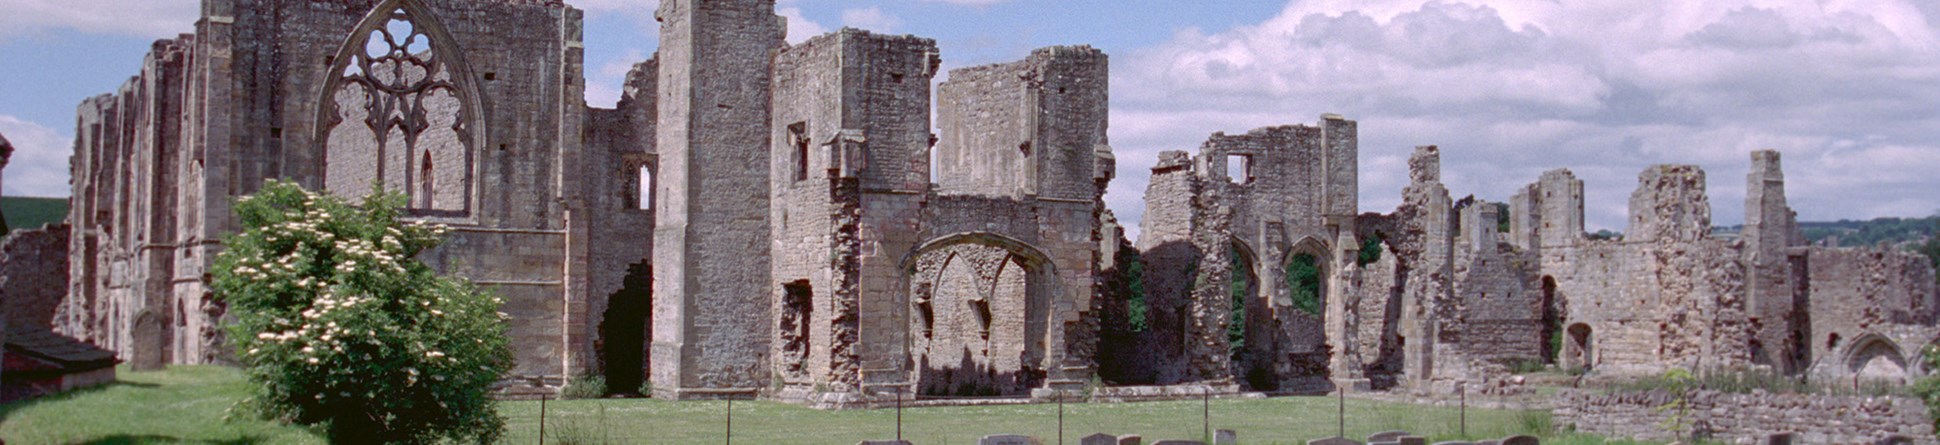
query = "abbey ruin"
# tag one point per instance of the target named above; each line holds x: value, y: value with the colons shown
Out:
x: 760, y: 219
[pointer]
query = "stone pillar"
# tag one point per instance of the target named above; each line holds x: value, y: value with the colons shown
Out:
x: 1768, y: 233
x: 711, y: 313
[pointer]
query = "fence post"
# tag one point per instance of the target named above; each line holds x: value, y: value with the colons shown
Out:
x: 1462, y: 387
x: 542, y: 419
x: 1060, y: 396
x: 1206, y: 406
x: 730, y: 420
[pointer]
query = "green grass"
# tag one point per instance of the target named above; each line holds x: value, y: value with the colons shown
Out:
x: 187, y: 405
x: 31, y: 213
x: 180, y: 405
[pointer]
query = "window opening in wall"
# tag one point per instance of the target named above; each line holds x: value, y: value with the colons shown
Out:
x: 1832, y: 341
x: 1304, y: 282
x: 644, y: 189
x: 1239, y: 168
x: 797, y: 306
x: 424, y: 182
x: 798, y: 138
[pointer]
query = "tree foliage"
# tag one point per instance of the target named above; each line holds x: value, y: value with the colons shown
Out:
x: 1304, y: 281
x: 339, y: 327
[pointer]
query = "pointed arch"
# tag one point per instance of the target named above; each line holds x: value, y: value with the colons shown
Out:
x: 398, y: 103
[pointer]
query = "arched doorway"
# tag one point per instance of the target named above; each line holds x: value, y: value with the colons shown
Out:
x: 1577, y: 344
x: 1876, y: 358
x: 624, y: 329
x: 1249, y: 332
x: 979, y: 313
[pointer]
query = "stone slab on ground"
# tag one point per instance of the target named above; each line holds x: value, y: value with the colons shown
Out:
x: 1009, y: 439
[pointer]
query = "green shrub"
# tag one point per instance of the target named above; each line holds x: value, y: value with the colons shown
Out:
x: 338, y: 326
x: 1928, y: 387
x: 590, y: 386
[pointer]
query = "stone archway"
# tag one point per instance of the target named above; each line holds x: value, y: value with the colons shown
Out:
x: 1875, y: 357
x: 624, y: 329
x: 979, y: 307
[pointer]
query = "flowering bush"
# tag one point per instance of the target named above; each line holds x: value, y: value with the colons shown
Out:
x: 339, y: 327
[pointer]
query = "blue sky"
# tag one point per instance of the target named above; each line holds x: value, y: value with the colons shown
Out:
x: 1849, y: 90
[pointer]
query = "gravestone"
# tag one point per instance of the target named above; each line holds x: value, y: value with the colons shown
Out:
x: 1488, y: 442
x: 1780, y: 439
x: 1413, y: 440
x: 146, y: 355
x: 1131, y: 439
x: 1099, y: 439
x: 1009, y: 439
x: 1895, y: 440
x: 1225, y: 437
x: 1521, y: 440
x: 1336, y: 440
x: 883, y: 442
x: 1385, y: 442
x: 1386, y: 436
x: 1179, y: 442
x: 1454, y: 443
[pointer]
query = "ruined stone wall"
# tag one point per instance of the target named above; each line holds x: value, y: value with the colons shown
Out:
x: 253, y: 95
x: 1170, y: 263
x: 6, y: 154
x: 611, y: 228
x: 1746, y: 418
x: 1048, y: 114
x: 850, y: 135
x: 1665, y: 296
x: 130, y: 143
x: 712, y: 327
x: 1498, y: 304
x: 33, y: 275
x: 1769, y: 234
x: 1870, y: 312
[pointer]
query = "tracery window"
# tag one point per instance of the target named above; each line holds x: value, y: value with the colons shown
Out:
x: 397, y: 117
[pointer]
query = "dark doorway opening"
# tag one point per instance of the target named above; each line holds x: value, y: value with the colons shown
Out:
x: 629, y: 317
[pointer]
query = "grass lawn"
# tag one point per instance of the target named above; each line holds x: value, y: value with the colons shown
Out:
x: 186, y: 405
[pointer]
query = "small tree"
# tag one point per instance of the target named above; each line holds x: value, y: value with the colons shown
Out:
x: 339, y: 327
x: 1928, y: 386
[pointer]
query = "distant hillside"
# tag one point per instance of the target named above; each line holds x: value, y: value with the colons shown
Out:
x: 29, y: 213
x: 1892, y: 231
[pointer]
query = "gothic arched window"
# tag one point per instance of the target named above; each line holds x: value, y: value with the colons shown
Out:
x: 397, y: 114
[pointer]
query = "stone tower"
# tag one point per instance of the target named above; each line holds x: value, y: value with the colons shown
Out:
x: 711, y: 234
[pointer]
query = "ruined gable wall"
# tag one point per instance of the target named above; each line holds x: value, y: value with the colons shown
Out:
x: 1499, y: 311
x: 1769, y: 232
x: 1157, y: 355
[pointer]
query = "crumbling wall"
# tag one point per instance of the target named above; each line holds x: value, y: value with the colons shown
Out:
x: 616, y: 177
x: 33, y: 275
x: 1871, y: 312
x: 1499, y: 317
x: 1745, y: 418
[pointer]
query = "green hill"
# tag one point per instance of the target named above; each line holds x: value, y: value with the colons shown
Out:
x: 28, y: 213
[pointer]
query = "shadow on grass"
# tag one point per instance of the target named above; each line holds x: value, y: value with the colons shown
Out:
x: 7, y: 409
x: 130, y: 439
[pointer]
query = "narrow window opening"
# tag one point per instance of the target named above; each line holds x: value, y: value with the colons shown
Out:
x: 491, y: 76
x: 926, y: 311
x: 981, y: 309
x: 644, y: 189
x: 425, y: 191
x: 896, y: 77
x: 798, y: 137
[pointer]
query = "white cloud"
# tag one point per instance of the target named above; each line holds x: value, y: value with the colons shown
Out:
x: 145, y: 18
x: 871, y: 18
x: 39, y: 163
x: 1510, y: 88
x: 800, y: 28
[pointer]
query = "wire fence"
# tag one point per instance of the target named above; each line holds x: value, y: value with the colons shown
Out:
x: 1065, y: 419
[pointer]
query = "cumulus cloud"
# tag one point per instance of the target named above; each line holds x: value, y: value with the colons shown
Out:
x: 1510, y: 88
x: 39, y: 163
x: 147, y: 18
x: 871, y: 18
x: 800, y: 28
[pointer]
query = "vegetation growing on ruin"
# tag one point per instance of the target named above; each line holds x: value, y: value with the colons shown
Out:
x: 31, y: 213
x: 338, y: 326
x: 1927, y: 388
x: 1303, y: 279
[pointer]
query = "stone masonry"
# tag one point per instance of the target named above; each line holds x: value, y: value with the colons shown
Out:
x: 827, y: 223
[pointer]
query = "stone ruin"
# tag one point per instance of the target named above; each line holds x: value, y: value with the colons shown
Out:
x: 791, y: 221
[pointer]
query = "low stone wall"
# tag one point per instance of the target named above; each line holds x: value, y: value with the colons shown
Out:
x: 1746, y: 418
